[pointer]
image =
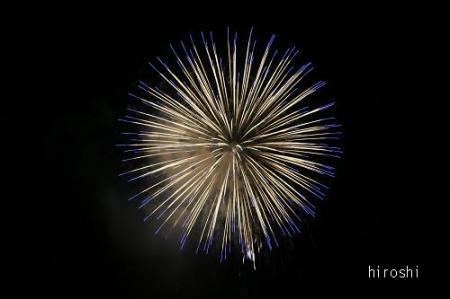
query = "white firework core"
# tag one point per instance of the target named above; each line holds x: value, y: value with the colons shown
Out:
x: 232, y: 147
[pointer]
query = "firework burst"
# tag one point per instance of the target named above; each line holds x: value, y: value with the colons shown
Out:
x: 234, y: 150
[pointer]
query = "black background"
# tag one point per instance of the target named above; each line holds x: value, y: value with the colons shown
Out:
x: 72, y: 234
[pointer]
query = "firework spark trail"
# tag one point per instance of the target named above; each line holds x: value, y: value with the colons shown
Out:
x: 234, y: 153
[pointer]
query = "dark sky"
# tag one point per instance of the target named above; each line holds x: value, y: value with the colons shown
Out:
x: 72, y: 234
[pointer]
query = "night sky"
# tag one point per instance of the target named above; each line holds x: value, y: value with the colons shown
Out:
x: 71, y: 232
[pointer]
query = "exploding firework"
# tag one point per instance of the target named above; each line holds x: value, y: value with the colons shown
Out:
x: 233, y: 152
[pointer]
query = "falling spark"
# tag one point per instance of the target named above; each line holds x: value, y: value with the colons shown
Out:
x: 233, y: 149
